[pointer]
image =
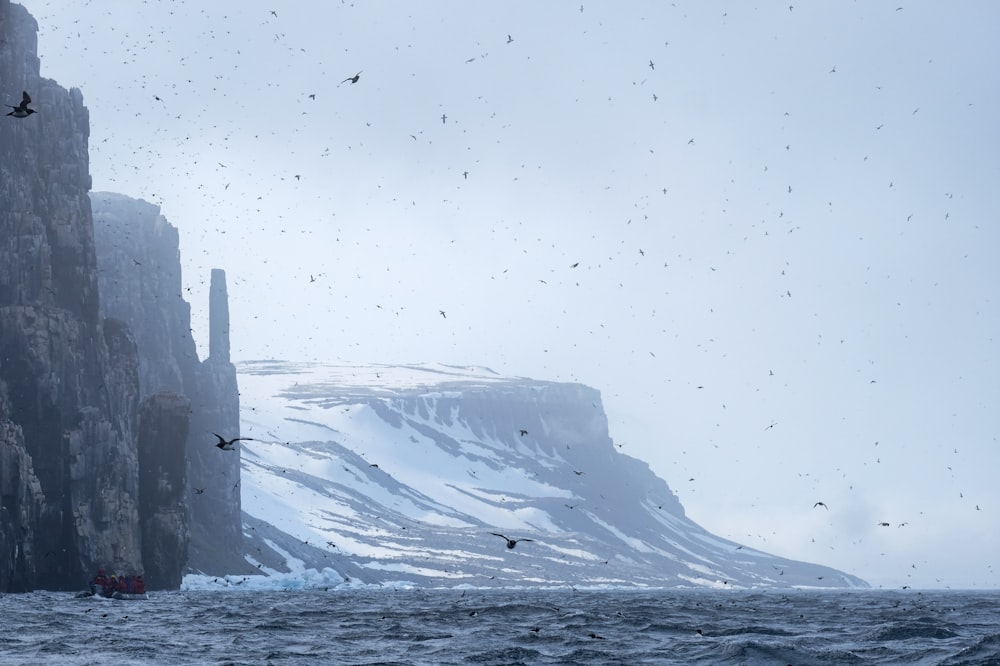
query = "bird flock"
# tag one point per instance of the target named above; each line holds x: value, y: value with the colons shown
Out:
x: 703, y: 211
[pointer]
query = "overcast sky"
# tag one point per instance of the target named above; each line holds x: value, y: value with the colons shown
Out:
x: 768, y: 233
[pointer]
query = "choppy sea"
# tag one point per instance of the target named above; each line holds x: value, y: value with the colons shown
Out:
x: 413, y: 626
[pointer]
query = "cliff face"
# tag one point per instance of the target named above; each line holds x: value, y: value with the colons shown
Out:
x: 83, y: 483
x: 163, y: 433
x: 140, y: 282
x: 216, y: 516
x: 21, y: 502
x: 138, y: 253
x: 69, y: 392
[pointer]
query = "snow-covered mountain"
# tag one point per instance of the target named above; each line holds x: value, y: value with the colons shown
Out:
x: 400, y: 474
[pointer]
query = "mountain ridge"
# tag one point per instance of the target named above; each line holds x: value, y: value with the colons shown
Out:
x: 409, y: 483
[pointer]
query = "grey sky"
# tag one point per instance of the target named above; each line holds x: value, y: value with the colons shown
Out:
x: 830, y: 216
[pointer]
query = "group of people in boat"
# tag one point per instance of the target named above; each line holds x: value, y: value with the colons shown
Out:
x: 106, y: 586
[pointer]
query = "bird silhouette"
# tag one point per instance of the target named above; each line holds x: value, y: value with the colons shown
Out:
x: 352, y: 79
x: 822, y: 505
x: 22, y: 110
x: 510, y: 542
x: 227, y: 445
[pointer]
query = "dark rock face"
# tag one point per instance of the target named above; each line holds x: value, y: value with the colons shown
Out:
x: 140, y: 282
x: 79, y: 488
x: 21, y: 502
x: 163, y: 511
x: 69, y: 409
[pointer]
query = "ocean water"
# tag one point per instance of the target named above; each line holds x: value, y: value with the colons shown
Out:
x: 413, y: 626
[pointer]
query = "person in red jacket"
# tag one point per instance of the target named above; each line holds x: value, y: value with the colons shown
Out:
x: 139, y: 585
x: 99, y: 583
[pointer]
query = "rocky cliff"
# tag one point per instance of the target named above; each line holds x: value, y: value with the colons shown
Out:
x: 68, y: 380
x: 102, y: 394
x: 163, y: 502
x: 140, y: 282
x: 217, y: 522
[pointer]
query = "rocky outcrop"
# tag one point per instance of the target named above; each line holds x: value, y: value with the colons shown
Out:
x: 216, y: 525
x: 218, y: 318
x: 140, y: 282
x: 69, y: 382
x: 79, y: 488
x: 163, y: 492
x: 138, y: 253
x: 21, y: 501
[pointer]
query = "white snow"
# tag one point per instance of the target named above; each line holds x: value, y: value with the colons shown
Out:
x: 385, y: 471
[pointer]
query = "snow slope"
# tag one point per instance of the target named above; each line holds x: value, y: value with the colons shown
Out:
x: 399, y: 474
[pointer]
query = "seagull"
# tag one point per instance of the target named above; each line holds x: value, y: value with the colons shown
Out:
x: 22, y: 110
x: 822, y: 505
x: 352, y: 79
x: 510, y: 542
x: 228, y: 445
x: 509, y: 39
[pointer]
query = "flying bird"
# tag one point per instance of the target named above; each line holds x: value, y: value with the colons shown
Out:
x: 352, y: 79
x: 509, y: 39
x: 510, y: 542
x: 22, y: 110
x: 227, y: 445
x: 822, y: 505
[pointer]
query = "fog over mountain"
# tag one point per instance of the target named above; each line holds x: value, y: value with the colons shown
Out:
x: 764, y: 232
